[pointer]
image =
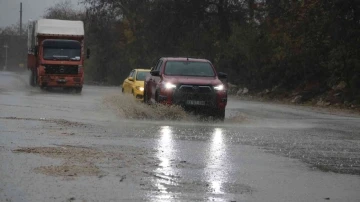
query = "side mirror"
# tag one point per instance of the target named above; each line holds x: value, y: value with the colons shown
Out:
x: 87, y: 53
x: 131, y: 79
x: 36, y: 50
x: 155, y: 73
x: 222, y: 75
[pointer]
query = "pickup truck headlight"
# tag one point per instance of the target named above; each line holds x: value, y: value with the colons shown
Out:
x: 219, y: 87
x: 139, y: 88
x: 169, y: 85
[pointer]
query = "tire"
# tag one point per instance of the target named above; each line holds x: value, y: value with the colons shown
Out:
x: 122, y: 89
x: 144, y: 97
x: 220, y: 115
x: 157, y: 97
x: 32, y: 79
x: 78, y: 90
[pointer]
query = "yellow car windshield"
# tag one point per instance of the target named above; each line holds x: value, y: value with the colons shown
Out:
x: 141, y: 75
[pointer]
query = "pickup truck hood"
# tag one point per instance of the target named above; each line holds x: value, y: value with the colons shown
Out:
x: 191, y: 80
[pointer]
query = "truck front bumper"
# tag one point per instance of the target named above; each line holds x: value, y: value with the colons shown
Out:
x: 61, y: 81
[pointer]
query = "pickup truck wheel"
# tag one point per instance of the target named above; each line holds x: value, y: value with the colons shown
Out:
x: 157, y: 97
x: 220, y: 115
x: 144, y: 97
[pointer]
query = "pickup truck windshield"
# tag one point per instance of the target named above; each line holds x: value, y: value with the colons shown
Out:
x: 180, y: 68
x: 62, y: 50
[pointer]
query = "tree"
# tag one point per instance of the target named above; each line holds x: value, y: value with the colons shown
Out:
x: 64, y: 11
x: 261, y: 43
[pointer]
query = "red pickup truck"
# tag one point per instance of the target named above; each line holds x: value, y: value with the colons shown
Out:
x: 191, y: 83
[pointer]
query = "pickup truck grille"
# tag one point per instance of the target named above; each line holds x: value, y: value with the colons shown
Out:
x: 61, y: 69
x: 195, y: 89
x: 196, y: 93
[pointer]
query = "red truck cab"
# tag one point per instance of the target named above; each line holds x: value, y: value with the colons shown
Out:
x: 191, y: 83
x: 56, y: 53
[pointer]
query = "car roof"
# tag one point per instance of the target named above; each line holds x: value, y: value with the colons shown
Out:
x: 184, y: 59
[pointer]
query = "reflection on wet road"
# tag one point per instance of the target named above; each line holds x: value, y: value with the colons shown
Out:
x: 216, y: 172
x: 166, y: 147
x: 76, y: 148
x: 165, y: 154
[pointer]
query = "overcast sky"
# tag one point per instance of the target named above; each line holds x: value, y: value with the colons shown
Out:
x: 32, y: 9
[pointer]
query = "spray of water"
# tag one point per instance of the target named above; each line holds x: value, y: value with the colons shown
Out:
x: 128, y: 107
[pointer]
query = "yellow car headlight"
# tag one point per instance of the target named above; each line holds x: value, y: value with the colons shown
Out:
x: 140, y: 88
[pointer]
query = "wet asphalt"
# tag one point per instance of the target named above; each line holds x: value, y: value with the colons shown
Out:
x: 61, y: 146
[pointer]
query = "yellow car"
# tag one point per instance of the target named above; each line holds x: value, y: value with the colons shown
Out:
x: 134, y: 84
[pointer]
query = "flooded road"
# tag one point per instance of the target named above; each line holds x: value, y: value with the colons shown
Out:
x: 103, y: 146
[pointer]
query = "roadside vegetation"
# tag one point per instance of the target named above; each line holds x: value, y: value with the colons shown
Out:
x: 301, y: 51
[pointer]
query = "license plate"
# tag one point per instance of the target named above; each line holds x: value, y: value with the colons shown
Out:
x: 61, y: 80
x: 195, y: 102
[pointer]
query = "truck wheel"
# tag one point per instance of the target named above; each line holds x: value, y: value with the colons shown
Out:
x: 122, y: 89
x: 32, y: 79
x: 78, y: 90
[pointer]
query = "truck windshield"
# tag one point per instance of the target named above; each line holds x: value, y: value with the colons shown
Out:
x: 180, y: 68
x: 62, y: 50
